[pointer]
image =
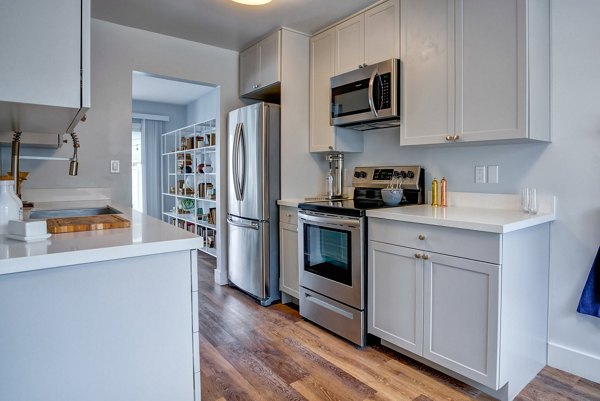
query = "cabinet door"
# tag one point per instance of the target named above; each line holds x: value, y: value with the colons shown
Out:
x: 461, y: 316
x: 288, y: 255
x: 395, y: 288
x: 322, y: 56
x: 350, y: 44
x: 382, y: 32
x: 249, y: 69
x: 428, y: 87
x: 490, y: 63
x: 41, y: 46
x: 270, y: 56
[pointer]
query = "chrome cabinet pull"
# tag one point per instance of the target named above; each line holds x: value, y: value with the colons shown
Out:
x: 425, y: 256
x: 422, y: 237
x: 448, y: 137
x: 418, y: 255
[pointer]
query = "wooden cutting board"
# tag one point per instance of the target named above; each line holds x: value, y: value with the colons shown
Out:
x: 87, y: 223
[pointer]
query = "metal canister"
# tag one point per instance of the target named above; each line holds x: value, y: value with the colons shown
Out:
x: 443, y: 199
x: 434, y: 193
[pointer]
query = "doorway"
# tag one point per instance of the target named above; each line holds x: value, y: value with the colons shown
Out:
x: 161, y: 105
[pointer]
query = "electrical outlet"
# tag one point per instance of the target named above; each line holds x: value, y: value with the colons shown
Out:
x: 492, y: 174
x: 114, y: 167
x: 479, y: 174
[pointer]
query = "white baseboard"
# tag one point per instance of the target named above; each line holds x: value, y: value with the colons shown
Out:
x: 220, y: 277
x: 573, y: 361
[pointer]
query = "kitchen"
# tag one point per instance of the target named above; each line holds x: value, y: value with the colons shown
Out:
x: 561, y: 168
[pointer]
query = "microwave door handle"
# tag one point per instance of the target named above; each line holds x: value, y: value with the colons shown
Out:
x: 371, y: 102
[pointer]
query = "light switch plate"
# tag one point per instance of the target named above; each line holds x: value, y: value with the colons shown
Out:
x: 114, y: 167
x: 479, y: 174
x: 492, y: 175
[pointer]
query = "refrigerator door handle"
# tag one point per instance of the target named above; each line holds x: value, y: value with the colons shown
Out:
x: 235, y: 169
x: 242, y: 176
x: 253, y: 225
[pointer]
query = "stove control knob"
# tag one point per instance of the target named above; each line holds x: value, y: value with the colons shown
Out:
x: 403, y: 174
x: 357, y: 174
x: 410, y: 174
x: 363, y: 174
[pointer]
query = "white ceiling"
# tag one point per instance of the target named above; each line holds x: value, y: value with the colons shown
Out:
x: 224, y: 23
x: 154, y: 89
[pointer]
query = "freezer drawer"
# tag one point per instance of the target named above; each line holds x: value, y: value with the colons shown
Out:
x: 248, y: 255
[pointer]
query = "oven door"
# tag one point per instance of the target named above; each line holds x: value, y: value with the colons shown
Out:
x: 331, y: 256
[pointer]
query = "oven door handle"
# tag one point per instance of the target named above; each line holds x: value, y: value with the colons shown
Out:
x: 329, y: 220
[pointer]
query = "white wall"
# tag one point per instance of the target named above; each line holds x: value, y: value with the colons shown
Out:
x: 177, y: 114
x: 204, y: 108
x: 116, y: 52
x: 568, y: 168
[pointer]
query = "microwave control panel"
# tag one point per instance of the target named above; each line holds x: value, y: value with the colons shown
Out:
x: 385, y: 90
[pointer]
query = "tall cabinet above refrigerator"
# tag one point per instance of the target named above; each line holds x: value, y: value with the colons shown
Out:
x: 253, y: 188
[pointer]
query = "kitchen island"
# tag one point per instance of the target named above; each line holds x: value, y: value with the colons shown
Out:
x: 100, y: 315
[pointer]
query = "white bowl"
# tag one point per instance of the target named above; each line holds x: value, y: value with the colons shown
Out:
x: 391, y: 197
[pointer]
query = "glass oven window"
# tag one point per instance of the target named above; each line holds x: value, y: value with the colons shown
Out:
x: 327, y: 253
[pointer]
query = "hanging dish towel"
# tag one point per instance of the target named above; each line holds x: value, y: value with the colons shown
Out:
x: 589, y: 303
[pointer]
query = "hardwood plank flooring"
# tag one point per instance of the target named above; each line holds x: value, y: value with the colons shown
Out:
x: 249, y: 353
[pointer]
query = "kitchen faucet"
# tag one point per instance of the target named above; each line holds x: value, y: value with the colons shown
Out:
x: 15, y: 154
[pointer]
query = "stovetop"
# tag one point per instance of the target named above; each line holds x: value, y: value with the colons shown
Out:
x: 368, y: 182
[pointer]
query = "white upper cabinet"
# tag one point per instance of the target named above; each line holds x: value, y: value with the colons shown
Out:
x: 382, y: 32
x: 322, y: 59
x: 428, y: 71
x: 475, y: 70
x: 350, y: 44
x: 260, y: 65
x: 44, y: 73
x: 249, y: 69
x: 323, y: 136
x: 368, y: 38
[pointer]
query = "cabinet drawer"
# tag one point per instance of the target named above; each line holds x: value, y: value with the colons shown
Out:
x: 288, y: 214
x: 470, y: 244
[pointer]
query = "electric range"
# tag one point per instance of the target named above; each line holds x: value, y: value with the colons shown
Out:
x: 332, y: 245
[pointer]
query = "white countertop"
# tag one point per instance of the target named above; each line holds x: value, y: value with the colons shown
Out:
x: 501, y: 218
x: 146, y: 236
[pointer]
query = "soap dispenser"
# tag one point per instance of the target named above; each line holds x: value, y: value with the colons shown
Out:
x: 11, y: 207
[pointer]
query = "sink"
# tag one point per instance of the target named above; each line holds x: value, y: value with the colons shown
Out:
x: 88, y: 211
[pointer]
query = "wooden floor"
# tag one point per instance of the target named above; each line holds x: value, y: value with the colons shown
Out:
x: 253, y: 353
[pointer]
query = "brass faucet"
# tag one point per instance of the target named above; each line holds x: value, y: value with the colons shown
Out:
x: 15, y: 154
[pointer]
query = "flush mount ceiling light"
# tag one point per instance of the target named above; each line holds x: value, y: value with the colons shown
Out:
x: 253, y: 2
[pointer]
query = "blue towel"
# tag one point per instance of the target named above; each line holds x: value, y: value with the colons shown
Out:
x: 590, y: 297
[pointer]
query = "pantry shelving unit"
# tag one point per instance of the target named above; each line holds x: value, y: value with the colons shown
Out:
x: 190, y: 189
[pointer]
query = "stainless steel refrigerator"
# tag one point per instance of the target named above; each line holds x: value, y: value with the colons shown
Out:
x: 252, y: 193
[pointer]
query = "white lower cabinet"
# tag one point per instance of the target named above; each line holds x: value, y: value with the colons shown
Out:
x: 396, y: 296
x: 440, y: 307
x: 288, y: 251
x: 473, y: 303
x: 460, y: 316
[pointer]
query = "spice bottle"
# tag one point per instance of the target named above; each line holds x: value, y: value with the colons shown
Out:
x: 443, y: 199
x: 11, y: 207
x: 434, y: 193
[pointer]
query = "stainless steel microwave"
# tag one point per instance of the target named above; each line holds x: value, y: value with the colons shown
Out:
x: 367, y: 98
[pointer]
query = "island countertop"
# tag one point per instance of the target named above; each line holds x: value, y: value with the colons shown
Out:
x: 146, y: 236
